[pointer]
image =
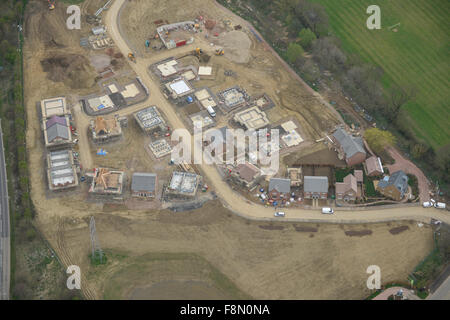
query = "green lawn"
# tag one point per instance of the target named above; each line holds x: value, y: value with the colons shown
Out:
x: 418, y: 54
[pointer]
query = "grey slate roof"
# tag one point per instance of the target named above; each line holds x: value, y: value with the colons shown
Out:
x: 281, y: 185
x: 315, y: 184
x: 399, y: 179
x: 57, y: 130
x: 350, y: 144
x: 143, y: 182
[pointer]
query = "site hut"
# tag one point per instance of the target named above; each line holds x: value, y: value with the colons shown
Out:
x: 99, y: 30
x: 394, y: 186
x: 176, y: 34
x: 252, y: 118
x: 105, y: 129
x: 150, y: 120
x: 373, y: 166
x: 349, y: 148
x: 279, y: 188
x: 183, y: 185
x: 246, y: 175
x: 347, y: 190
x: 57, y: 133
x: 315, y: 187
x: 107, y: 182
x: 144, y: 185
x: 61, y: 170
x: 179, y: 88
x: 54, y: 107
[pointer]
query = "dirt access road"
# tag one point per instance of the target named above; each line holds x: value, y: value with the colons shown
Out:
x: 234, y: 201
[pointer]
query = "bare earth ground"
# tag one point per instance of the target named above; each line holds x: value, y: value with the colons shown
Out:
x: 261, y: 262
x: 264, y: 260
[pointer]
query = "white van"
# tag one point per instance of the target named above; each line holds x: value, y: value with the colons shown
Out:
x: 279, y: 214
x: 440, y: 205
x: 327, y: 210
x: 427, y: 204
x: 211, y: 111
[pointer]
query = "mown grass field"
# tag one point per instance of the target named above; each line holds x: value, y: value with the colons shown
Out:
x: 418, y: 54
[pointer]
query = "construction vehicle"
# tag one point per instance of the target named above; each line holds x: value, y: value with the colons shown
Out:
x: 220, y: 52
x: 202, y: 57
x: 132, y: 57
x: 51, y: 4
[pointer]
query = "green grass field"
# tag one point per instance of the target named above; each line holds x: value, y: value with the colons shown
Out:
x: 418, y: 54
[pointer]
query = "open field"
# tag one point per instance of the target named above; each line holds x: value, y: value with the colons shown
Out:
x: 416, y: 55
x: 265, y: 260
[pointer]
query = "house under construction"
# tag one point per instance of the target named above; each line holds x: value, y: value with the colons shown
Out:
x: 105, y: 129
x: 107, y: 182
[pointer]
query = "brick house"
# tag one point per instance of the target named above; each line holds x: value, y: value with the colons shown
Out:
x: 143, y: 185
x: 394, y: 186
x: 315, y: 187
x: 347, y: 190
x: 279, y: 188
x: 352, y: 148
x: 373, y: 166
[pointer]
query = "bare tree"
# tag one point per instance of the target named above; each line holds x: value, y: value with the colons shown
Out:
x: 400, y: 95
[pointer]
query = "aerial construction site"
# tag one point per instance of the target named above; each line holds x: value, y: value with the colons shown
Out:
x: 102, y: 104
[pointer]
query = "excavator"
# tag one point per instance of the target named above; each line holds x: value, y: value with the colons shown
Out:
x: 202, y: 57
x: 132, y: 57
x: 220, y: 52
x: 51, y: 4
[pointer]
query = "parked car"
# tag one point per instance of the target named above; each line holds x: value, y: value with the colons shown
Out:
x: 279, y: 214
x: 326, y: 210
x: 440, y: 205
x: 427, y: 204
x: 75, y: 141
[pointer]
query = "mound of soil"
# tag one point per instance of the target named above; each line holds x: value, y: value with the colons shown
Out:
x: 270, y: 227
x: 361, y: 233
x: 398, y: 230
x: 72, y: 69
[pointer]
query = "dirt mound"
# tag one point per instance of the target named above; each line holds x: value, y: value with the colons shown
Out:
x: 360, y: 233
x: 72, y: 69
x: 398, y: 230
x: 270, y: 227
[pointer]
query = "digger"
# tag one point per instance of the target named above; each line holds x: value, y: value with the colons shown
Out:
x: 202, y: 57
x: 132, y: 57
x: 220, y: 52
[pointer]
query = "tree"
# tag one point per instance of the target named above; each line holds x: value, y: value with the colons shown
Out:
x: 400, y: 95
x: 328, y: 55
x: 294, y: 52
x: 306, y: 38
x: 378, y: 139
